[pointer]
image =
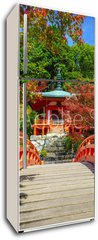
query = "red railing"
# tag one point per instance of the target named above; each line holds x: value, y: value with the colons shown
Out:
x: 85, y: 151
x: 41, y: 122
x: 56, y: 121
x: 33, y: 157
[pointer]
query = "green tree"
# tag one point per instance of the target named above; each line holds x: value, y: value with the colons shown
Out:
x: 86, y: 61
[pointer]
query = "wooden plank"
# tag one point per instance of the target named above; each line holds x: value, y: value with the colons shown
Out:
x: 56, y: 211
x: 51, y: 171
x: 45, y: 171
x: 56, y: 184
x: 53, y: 168
x: 35, y: 181
x: 57, y: 188
x: 50, y: 166
x: 57, y: 220
x: 55, y: 195
x: 56, y: 202
x: 55, y: 175
x: 59, y: 173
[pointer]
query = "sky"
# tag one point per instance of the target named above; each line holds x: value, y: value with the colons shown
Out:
x: 88, y: 31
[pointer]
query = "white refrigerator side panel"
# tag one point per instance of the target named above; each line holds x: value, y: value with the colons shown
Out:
x: 12, y: 118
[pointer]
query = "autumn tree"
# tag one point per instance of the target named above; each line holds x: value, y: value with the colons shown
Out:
x: 48, y: 33
x: 81, y: 107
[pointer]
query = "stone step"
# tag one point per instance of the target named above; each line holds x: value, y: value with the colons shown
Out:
x: 61, y: 158
x: 56, y: 158
x: 53, y: 147
x: 58, y: 161
x: 55, y: 155
x: 56, y: 152
x: 59, y: 144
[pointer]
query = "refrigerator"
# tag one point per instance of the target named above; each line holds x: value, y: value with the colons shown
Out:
x: 50, y: 118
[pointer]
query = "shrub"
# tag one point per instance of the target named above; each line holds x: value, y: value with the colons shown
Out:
x: 72, y: 142
x: 43, y: 152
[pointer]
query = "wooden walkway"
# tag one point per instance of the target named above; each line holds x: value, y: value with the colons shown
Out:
x: 57, y: 193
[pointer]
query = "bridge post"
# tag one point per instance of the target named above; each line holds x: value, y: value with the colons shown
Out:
x: 24, y: 126
x: 24, y: 90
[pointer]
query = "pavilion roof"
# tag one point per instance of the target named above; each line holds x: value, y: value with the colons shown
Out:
x: 58, y: 92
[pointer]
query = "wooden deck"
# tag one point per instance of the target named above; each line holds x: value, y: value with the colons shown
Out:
x: 57, y: 193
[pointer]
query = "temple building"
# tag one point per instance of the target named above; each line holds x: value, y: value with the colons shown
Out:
x: 53, y: 115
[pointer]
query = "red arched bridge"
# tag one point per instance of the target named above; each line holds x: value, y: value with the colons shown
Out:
x: 85, y: 152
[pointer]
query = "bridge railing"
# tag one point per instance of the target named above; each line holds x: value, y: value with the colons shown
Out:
x: 33, y: 157
x: 86, y: 151
x: 56, y: 121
